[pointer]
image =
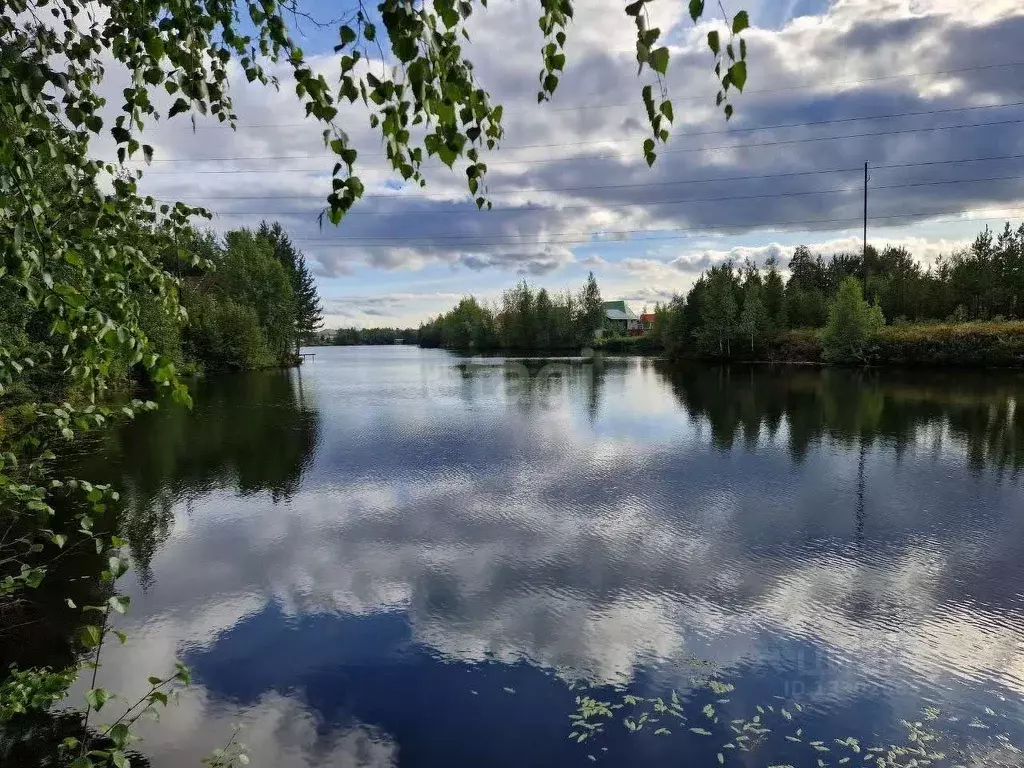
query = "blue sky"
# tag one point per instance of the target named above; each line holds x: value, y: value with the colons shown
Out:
x: 940, y: 80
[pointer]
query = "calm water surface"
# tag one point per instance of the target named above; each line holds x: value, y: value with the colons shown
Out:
x: 400, y: 557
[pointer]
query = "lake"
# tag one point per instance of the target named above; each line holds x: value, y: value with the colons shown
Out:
x: 397, y: 556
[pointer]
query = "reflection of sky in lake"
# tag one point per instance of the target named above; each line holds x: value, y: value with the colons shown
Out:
x: 464, y: 530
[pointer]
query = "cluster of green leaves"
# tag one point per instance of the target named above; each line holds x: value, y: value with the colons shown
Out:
x: 433, y: 86
x: 660, y: 110
x: 110, y: 742
x: 32, y: 690
x: 526, y: 320
x: 231, y: 754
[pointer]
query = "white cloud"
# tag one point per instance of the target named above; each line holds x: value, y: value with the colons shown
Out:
x: 566, y: 175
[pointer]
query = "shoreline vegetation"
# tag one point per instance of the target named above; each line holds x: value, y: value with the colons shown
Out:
x: 965, y: 310
x: 239, y: 302
x: 971, y: 344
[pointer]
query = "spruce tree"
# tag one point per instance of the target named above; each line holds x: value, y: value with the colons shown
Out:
x: 591, y: 308
x: 309, y: 312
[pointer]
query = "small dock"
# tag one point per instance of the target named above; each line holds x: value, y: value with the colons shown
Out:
x: 307, y: 356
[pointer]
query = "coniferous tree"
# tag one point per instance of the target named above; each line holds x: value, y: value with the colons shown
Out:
x: 309, y: 311
x: 591, y: 309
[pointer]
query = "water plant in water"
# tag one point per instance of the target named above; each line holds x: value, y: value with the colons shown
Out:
x: 774, y: 730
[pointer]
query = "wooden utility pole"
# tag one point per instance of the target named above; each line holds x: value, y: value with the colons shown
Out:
x: 864, y: 258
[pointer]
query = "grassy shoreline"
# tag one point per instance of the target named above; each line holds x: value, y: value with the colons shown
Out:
x: 980, y: 344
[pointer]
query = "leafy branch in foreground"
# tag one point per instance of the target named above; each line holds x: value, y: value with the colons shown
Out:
x: 83, y: 253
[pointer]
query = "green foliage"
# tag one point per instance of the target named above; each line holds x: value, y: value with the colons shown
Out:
x: 308, y: 311
x: 647, y: 343
x: 230, y: 755
x: 852, y: 323
x: 715, y: 297
x: 526, y: 320
x: 90, y: 280
x: 755, y: 313
x: 984, y: 344
x: 731, y: 72
x: 591, y: 309
x: 755, y: 320
x: 226, y: 334
x: 346, y: 337
x: 246, y: 314
x: 798, y: 345
x: 32, y: 690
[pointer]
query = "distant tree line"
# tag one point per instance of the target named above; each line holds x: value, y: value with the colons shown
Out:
x: 848, y: 307
x: 526, y: 319
x: 350, y: 337
x: 742, y: 312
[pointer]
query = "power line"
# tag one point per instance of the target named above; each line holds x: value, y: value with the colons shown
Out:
x: 683, y: 135
x: 543, y: 189
x: 815, y: 86
x: 725, y: 198
x: 754, y: 145
x: 596, y: 237
x: 681, y: 234
x: 706, y: 180
x: 586, y: 107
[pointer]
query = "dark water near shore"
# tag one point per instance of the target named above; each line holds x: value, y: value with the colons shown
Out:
x: 399, y: 557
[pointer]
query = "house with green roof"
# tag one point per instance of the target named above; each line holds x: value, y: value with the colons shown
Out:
x: 620, y: 319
